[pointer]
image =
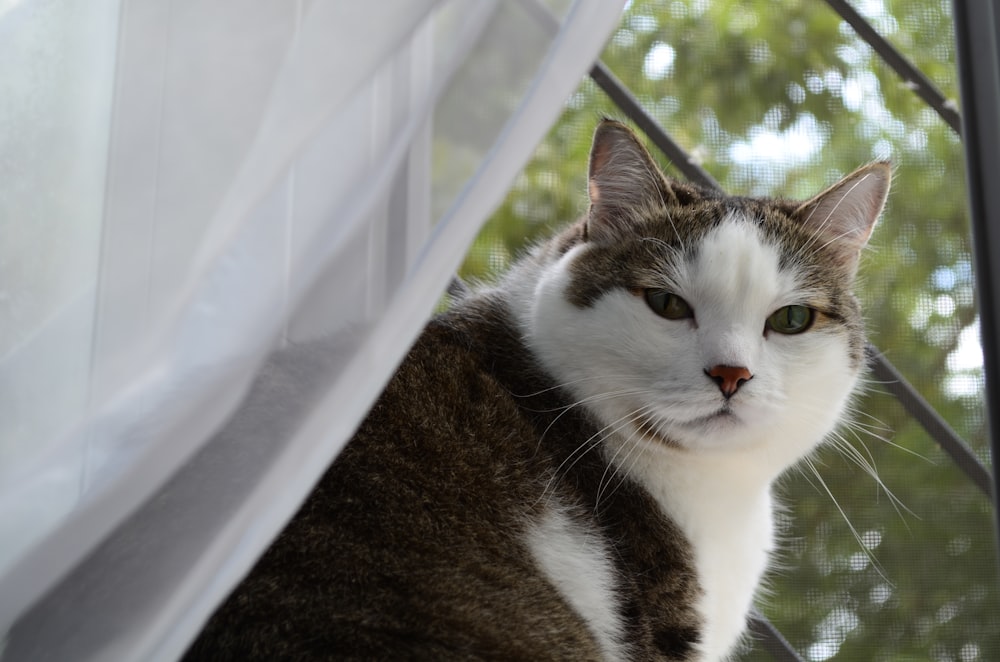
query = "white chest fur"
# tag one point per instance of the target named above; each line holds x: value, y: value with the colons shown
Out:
x: 578, y: 563
x: 726, y: 513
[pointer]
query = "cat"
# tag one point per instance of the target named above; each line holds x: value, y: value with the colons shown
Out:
x: 576, y: 463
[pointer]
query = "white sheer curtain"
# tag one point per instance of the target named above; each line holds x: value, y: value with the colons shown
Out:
x: 221, y: 226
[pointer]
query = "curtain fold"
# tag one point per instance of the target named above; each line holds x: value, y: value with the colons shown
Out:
x: 287, y: 189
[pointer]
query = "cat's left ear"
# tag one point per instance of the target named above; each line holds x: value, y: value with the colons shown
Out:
x: 623, y: 182
x: 843, y: 216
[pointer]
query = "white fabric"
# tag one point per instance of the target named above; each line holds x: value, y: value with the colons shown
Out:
x: 218, y: 207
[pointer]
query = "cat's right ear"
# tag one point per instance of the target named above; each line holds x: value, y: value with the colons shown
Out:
x: 623, y: 182
x: 842, y: 217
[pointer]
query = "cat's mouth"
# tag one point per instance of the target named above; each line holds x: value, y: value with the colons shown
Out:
x: 659, y: 431
x: 723, y: 414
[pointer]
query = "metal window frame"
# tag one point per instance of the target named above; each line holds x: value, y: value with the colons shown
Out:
x: 977, y: 35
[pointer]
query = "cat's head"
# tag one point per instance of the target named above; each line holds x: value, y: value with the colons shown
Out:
x: 690, y: 320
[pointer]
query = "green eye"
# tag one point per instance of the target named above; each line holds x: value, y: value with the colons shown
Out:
x: 669, y: 305
x: 791, y: 319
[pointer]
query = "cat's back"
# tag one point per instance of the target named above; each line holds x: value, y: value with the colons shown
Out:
x: 414, y: 543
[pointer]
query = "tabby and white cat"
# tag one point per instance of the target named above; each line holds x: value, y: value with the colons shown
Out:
x: 577, y: 463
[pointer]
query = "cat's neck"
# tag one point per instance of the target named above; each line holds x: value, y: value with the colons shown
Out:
x: 697, y: 489
x: 722, y: 502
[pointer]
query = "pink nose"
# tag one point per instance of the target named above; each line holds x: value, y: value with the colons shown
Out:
x: 729, y: 378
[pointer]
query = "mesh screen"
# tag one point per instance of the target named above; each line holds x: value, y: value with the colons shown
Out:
x: 889, y: 550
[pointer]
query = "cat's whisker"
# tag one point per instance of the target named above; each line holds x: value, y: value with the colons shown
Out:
x: 857, y: 429
x: 906, y: 450
x: 581, y: 402
x: 868, y: 466
x: 587, y: 446
x: 590, y: 399
x: 839, y: 436
x: 574, y: 382
x: 875, y: 430
x: 808, y: 462
x: 612, y: 465
x: 599, y: 397
x: 633, y: 456
x: 881, y: 427
x: 866, y: 463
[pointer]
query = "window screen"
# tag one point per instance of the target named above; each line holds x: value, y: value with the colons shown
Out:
x: 888, y: 550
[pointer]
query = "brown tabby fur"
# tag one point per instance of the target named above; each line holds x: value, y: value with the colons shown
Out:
x: 410, y: 546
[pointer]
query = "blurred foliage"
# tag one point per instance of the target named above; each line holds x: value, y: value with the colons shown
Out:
x: 780, y: 97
